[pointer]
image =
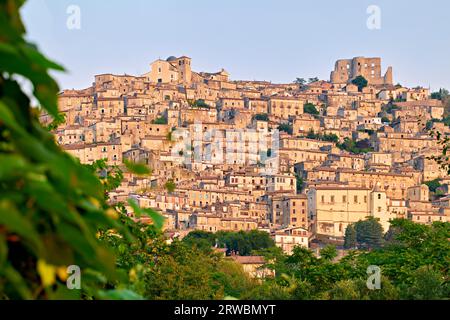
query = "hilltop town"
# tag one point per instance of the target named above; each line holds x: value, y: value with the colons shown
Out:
x: 300, y: 160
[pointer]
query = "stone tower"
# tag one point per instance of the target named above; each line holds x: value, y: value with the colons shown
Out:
x: 345, y: 70
x: 183, y: 65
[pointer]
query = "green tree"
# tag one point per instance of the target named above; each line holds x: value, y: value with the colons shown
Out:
x: 442, y: 94
x: 433, y: 184
x: 180, y: 270
x: 235, y: 282
x: 310, y: 108
x: 170, y: 186
x: 201, y: 239
x: 160, y: 120
x: 268, y: 290
x: 261, y: 117
x: 182, y: 273
x: 350, y: 237
x: 312, y: 135
x: 300, y: 81
x: 369, y: 233
x: 356, y: 289
x: 344, y: 290
x: 360, y: 82
x: 385, y: 120
x: 328, y: 252
x: 244, y: 242
x: 428, y: 284
x: 285, y: 127
x: 330, y: 137
x: 357, y: 147
x: 299, y: 182
x: 200, y: 103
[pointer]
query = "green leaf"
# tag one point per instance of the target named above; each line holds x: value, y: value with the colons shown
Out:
x: 11, y: 166
x: 158, y: 219
x: 14, y: 222
x: 17, y: 280
x: 136, y: 209
x: 32, y: 54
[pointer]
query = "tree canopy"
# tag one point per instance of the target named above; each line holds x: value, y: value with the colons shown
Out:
x: 300, y: 81
x: 310, y: 108
x: 242, y: 243
x: 360, y: 82
x: 160, y: 120
x: 261, y: 117
x: 286, y: 128
x: 357, y: 147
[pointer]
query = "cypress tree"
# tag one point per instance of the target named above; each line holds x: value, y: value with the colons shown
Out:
x: 350, y: 237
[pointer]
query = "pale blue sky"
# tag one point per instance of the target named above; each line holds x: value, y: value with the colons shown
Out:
x: 276, y: 40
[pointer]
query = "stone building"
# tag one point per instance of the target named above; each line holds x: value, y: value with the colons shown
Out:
x: 346, y: 70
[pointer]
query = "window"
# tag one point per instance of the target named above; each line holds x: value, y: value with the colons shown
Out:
x: 323, y: 199
x: 332, y: 199
x: 379, y: 196
x: 355, y: 199
x: 344, y: 199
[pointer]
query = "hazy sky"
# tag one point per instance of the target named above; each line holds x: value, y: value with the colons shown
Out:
x: 275, y: 40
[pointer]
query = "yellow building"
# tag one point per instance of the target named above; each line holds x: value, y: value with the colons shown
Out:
x: 332, y: 209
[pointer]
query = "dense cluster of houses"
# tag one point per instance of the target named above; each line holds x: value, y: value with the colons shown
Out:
x: 245, y: 155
